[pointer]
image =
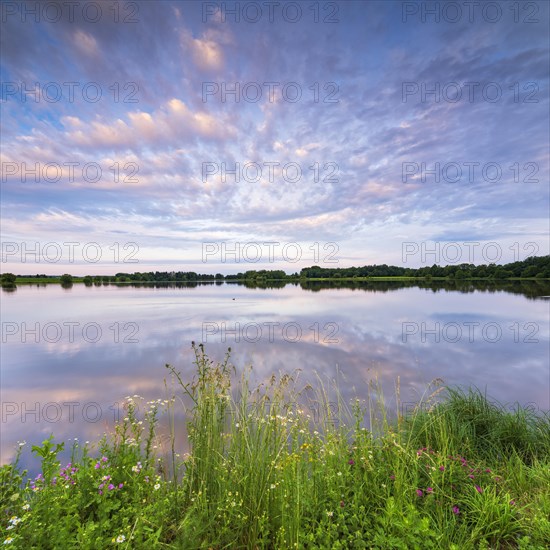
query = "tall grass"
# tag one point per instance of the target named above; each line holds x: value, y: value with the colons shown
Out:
x: 288, y: 465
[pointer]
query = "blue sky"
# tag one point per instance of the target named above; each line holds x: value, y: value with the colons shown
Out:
x: 152, y: 67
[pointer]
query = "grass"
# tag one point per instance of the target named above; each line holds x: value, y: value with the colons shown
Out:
x: 283, y: 466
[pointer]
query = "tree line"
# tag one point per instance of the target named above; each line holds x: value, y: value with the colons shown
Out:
x: 533, y: 267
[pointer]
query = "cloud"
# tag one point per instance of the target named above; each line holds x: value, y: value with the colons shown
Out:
x: 357, y: 145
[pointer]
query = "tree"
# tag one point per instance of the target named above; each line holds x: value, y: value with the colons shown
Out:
x: 531, y: 271
x: 66, y: 279
x: 8, y: 278
x: 501, y: 273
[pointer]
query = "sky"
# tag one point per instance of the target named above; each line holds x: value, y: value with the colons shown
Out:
x: 227, y: 136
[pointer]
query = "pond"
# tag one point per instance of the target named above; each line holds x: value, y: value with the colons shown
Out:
x: 71, y: 355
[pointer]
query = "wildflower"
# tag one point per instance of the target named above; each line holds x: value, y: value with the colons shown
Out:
x: 429, y: 490
x: 442, y: 468
x: 26, y: 506
x: 456, y: 510
x: 273, y: 486
x: 10, y: 527
x: 120, y: 485
x: 9, y: 540
x: 97, y: 465
x: 351, y: 462
x: 512, y: 502
x: 120, y: 539
x: 156, y: 487
x: 104, y: 459
x: 339, y: 474
x: 479, y: 489
x: 392, y: 477
x: 342, y: 504
x: 419, y: 493
x: 111, y: 487
x: 330, y: 513
x: 14, y: 520
x: 471, y: 476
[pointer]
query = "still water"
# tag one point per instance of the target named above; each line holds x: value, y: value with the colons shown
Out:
x: 69, y: 356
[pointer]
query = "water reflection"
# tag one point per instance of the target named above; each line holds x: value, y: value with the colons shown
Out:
x: 68, y: 363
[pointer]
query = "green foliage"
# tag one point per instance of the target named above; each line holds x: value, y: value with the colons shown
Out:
x: 284, y: 466
x: 7, y: 279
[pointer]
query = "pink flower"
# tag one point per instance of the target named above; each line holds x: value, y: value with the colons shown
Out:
x: 419, y: 493
x: 351, y: 462
x: 479, y: 489
x: 512, y: 502
x: 456, y: 511
x: 120, y: 485
x: 111, y: 487
x: 442, y: 468
x: 392, y: 477
x: 429, y: 490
